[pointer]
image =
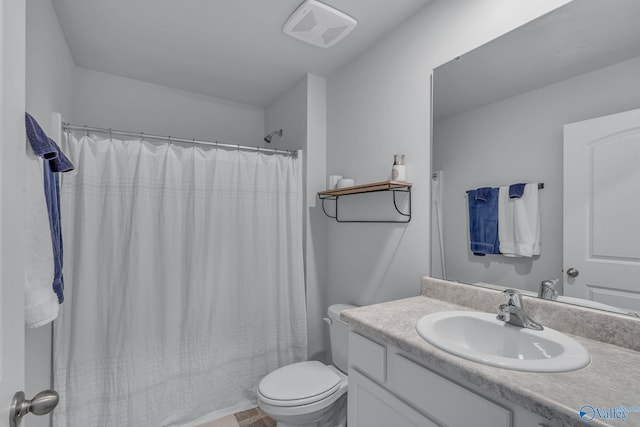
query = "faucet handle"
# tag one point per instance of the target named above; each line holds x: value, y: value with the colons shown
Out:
x: 512, y: 311
x: 512, y: 297
x: 548, y: 290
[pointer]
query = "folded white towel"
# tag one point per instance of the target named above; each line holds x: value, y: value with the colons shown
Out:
x: 41, y: 303
x: 519, y: 222
x: 506, y: 235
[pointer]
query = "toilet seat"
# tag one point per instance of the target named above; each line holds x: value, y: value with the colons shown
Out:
x: 299, y: 384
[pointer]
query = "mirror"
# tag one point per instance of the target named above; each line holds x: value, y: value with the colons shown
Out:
x: 498, y: 118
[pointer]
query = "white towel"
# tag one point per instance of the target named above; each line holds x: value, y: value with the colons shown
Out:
x: 40, y: 302
x: 519, y: 222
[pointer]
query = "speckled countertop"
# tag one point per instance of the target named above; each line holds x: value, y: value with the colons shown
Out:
x: 612, y: 379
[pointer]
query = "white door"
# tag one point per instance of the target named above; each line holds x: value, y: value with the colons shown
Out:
x: 602, y: 210
x: 12, y: 160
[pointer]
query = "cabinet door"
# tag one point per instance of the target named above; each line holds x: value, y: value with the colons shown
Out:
x: 444, y: 400
x: 372, y: 406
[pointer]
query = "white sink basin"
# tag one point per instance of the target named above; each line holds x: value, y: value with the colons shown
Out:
x: 482, y: 338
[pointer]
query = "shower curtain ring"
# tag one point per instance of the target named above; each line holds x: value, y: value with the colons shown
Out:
x: 110, y: 135
x: 86, y: 132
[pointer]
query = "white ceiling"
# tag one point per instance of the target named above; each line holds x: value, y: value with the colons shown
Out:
x: 231, y: 49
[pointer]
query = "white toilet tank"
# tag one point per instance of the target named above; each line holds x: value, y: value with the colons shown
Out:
x: 339, y: 333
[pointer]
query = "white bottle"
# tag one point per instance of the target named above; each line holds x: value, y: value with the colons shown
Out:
x: 399, y: 171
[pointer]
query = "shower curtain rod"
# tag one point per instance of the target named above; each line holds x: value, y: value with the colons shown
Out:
x: 69, y: 127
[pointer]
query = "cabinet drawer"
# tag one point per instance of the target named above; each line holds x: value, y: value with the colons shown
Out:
x: 367, y: 356
x: 444, y: 400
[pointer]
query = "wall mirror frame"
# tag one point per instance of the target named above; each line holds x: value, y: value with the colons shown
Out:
x: 498, y: 118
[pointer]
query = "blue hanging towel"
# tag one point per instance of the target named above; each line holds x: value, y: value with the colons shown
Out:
x: 54, y: 161
x: 516, y: 190
x: 483, y: 221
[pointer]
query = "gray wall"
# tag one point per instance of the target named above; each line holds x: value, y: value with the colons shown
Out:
x: 379, y: 105
x: 105, y: 100
x: 49, y: 64
x: 520, y: 140
x: 12, y: 207
x: 301, y: 113
x: 49, y: 86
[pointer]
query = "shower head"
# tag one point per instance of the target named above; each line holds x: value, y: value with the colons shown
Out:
x: 268, y: 137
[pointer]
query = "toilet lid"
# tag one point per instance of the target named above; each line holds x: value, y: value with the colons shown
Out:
x: 299, y: 383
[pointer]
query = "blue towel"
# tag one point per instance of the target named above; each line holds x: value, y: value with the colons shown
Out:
x: 45, y: 147
x: 483, y: 221
x: 54, y: 161
x: 516, y: 191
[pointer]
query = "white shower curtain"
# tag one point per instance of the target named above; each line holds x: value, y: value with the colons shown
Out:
x: 184, y: 280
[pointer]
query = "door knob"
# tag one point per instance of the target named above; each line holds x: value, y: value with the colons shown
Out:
x: 572, y: 272
x: 41, y: 404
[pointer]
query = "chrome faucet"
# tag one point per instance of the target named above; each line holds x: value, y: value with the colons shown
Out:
x: 512, y: 311
x: 548, y: 290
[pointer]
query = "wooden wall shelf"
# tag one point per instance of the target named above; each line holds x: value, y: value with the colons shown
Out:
x: 390, y: 186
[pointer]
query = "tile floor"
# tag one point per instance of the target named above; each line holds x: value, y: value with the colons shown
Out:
x: 249, y: 418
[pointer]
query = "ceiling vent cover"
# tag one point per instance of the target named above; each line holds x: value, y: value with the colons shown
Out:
x: 318, y: 24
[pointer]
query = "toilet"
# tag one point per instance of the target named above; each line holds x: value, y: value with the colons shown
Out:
x: 311, y: 394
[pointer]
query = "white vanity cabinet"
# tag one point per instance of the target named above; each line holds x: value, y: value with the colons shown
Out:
x: 371, y: 405
x: 389, y: 388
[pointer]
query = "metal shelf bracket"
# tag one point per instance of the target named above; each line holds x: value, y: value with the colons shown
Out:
x: 406, y: 214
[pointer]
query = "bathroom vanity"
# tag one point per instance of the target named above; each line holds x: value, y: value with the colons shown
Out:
x: 390, y: 387
x: 396, y: 378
